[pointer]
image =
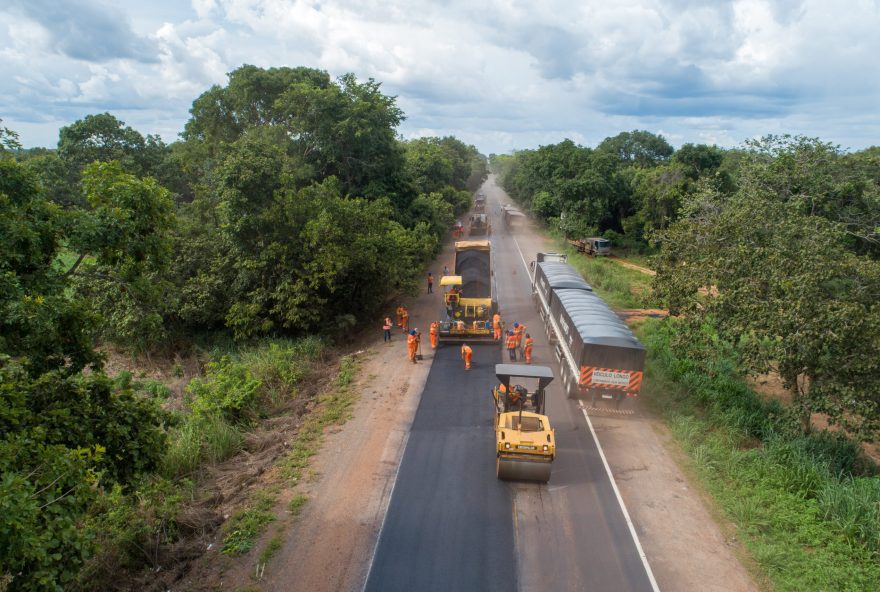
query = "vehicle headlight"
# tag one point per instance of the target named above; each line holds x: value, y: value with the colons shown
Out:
x: 507, y: 445
x: 546, y: 448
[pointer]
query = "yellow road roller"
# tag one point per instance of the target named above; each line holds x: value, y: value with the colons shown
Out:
x: 525, y: 443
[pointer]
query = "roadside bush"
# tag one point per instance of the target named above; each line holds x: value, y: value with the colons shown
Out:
x: 801, y: 501
x: 229, y: 389
x: 197, y: 441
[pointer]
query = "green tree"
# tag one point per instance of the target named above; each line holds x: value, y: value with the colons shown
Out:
x: 779, y: 283
x: 638, y: 147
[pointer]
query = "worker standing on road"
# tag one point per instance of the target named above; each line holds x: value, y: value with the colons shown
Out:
x: 445, y: 271
x: 386, y: 327
x: 511, y: 345
x: 527, y: 348
x: 430, y: 283
x: 496, y: 327
x: 399, y: 315
x: 519, y: 330
x: 435, y: 327
x: 404, y: 320
x: 412, y: 345
x: 466, y: 353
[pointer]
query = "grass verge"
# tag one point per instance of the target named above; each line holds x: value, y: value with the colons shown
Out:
x: 618, y: 286
x: 806, y: 507
x: 333, y: 407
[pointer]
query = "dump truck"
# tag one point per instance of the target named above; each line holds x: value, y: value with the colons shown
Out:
x: 469, y: 294
x: 479, y: 225
x: 594, y: 245
x: 525, y: 442
x: 599, y: 356
x: 480, y: 203
x: 512, y: 217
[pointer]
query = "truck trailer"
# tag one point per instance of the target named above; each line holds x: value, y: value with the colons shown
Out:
x: 599, y: 355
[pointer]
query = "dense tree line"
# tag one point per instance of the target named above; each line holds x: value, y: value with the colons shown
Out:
x: 774, y: 243
x: 289, y: 206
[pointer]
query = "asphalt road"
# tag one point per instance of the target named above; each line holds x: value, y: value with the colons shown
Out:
x: 451, y: 525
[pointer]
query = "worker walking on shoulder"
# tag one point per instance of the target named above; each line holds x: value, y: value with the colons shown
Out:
x: 412, y: 345
x: 496, y: 327
x: 435, y: 329
x: 430, y: 283
x: 511, y: 345
x: 527, y: 348
x: 404, y: 319
x: 399, y: 313
x: 466, y: 353
x: 386, y: 328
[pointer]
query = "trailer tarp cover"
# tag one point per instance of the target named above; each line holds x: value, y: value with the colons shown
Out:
x: 596, y: 335
x: 562, y: 275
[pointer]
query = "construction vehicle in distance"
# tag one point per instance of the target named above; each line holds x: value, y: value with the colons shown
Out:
x: 594, y: 245
x: 479, y: 225
x: 480, y: 203
x: 512, y: 217
x: 599, y: 355
x: 469, y: 294
x: 525, y: 442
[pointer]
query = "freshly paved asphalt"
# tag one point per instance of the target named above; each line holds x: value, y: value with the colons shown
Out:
x: 449, y: 523
x: 452, y: 526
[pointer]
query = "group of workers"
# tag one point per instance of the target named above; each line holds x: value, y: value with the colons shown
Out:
x: 518, y: 340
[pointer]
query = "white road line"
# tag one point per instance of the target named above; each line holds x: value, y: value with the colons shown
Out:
x: 629, y: 522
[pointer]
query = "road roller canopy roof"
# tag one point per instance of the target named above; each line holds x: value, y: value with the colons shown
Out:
x: 505, y: 371
x: 450, y: 280
x: 482, y: 245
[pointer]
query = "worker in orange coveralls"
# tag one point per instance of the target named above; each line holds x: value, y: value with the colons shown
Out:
x: 399, y: 312
x: 412, y: 345
x: 527, y: 348
x: 496, y: 327
x: 466, y: 353
x: 435, y: 329
x: 519, y: 330
x: 404, y: 320
x: 511, y: 345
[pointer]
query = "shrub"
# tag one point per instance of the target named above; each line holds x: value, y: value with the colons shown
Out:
x: 229, y: 389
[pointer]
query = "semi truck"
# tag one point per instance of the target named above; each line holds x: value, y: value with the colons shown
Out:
x: 469, y: 294
x: 594, y: 245
x: 512, y: 217
x: 599, y: 356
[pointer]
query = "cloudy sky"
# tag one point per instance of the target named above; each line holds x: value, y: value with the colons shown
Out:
x: 500, y: 74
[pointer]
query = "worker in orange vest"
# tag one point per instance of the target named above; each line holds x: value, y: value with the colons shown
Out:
x: 435, y: 329
x: 519, y: 330
x: 399, y: 314
x: 412, y: 345
x: 496, y: 327
x: 466, y: 353
x: 404, y: 319
x: 511, y: 345
x: 527, y: 348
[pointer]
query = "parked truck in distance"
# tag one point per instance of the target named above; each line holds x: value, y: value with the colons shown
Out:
x: 595, y: 245
x: 599, y: 355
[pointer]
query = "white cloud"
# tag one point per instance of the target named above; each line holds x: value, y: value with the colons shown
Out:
x: 501, y: 74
